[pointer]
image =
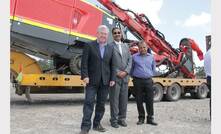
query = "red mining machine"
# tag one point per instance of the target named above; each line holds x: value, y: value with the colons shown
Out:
x: 58, y: 30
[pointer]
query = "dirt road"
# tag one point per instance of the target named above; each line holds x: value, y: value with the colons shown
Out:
x: 62, y: 114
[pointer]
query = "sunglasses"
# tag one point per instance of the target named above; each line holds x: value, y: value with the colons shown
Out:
x: 116, y: 33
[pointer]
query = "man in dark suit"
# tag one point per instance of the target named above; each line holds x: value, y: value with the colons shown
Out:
x: 119, y: 92
x: 97, y: 71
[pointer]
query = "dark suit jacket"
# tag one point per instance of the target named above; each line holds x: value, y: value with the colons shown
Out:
x: 96, y: 68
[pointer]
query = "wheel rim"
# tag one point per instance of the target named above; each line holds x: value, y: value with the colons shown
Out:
x: 78, y: 61
x: 173, y: 92
x: 202, y: 91
x: 75, y: 64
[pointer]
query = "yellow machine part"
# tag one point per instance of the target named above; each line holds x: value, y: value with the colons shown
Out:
x: 180, y: 81
x: 50, y: 80
x: 22, y: 62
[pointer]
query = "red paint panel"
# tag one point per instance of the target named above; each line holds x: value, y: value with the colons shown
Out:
x: 12, y: 7
x: 52, y: 12
x: 86, y: 18
x: 65, y: 2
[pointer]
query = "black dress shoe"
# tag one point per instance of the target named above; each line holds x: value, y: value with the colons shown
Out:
x: 99, y: 128
x: 122, y: 123
x: 115, y: 125
x: 140, y: 122
x: 83, y: 132
x: 152, y: 122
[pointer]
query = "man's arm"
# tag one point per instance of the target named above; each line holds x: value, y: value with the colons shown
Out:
x: 84, y: 62
x: 113, y: 65
x: 129, y: 63
x: 132, y: 66
x: 155, y: 73
x: 113, y: 68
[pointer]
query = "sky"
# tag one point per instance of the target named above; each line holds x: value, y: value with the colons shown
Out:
x: 176, y: 19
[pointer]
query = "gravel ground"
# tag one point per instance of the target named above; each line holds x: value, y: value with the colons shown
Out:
x: 62, y: 114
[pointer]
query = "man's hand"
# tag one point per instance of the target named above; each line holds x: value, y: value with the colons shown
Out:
x: 121, y: 74
x: 112, y: 83
x: 86, y: 80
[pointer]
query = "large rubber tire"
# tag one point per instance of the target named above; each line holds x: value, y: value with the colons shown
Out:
x: 158, y: 92
x: 75, y: 64
x: 173, y: 92
x: 202, y: 91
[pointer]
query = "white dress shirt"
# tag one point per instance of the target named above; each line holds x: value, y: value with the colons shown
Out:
x: 207, y: 63
x: 119, y: 46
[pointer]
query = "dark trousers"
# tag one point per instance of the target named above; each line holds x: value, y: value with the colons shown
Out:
x: 144, y: 92
x: 208, y: 79
x: 100, y: 92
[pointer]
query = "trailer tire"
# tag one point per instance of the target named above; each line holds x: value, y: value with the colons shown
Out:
x: 173, y: 92
x: 202, y: 91
x: 75, y: 64
x: 158, y: 92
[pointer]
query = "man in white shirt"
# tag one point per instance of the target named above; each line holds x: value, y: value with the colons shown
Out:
x: 207, y: 68
x: 207, y: 63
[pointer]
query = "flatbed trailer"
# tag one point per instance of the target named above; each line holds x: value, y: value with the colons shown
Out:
x: 170, y: 88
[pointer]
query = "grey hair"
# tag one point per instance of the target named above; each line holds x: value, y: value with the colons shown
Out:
x: 102, y: 27
x: 142, y: 42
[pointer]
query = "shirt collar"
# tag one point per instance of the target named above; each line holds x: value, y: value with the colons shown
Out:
x: 147, y: 54
x: 118, y: 43
x: 101, y: 45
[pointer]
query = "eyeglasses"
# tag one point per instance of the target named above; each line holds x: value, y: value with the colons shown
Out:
x: 116, y: 33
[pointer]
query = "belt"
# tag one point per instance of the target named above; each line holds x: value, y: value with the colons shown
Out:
x: 142, y: 78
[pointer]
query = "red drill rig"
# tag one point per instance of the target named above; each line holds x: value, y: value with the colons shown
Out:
x: 179, y: 61
x: 58, y: 30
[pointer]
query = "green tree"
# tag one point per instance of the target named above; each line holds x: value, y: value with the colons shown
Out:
x: 200, y: 73
x: 45, y: 64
